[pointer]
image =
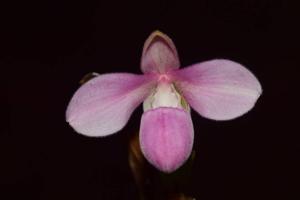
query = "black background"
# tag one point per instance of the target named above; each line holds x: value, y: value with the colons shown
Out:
x: 49, y: 45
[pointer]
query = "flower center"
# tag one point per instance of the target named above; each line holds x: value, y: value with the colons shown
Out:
x: 165, y: 95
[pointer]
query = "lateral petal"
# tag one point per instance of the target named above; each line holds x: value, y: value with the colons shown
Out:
x: 219, y: 89
x: 166, y: 137
x: 103, y: 105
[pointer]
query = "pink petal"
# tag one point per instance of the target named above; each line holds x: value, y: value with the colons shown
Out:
x: 103, y: 105
x: 219, y: 89
x: 159, y: 54
x: 166, y: 137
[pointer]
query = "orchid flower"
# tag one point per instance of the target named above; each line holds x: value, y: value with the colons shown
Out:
x: 217, y: 89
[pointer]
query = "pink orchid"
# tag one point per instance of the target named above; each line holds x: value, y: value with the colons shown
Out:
x: 218, y: 89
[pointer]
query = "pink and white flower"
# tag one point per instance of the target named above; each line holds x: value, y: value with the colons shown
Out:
x: 218, y: 89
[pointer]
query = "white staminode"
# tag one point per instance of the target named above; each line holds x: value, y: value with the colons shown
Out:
x: 165, y: 95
